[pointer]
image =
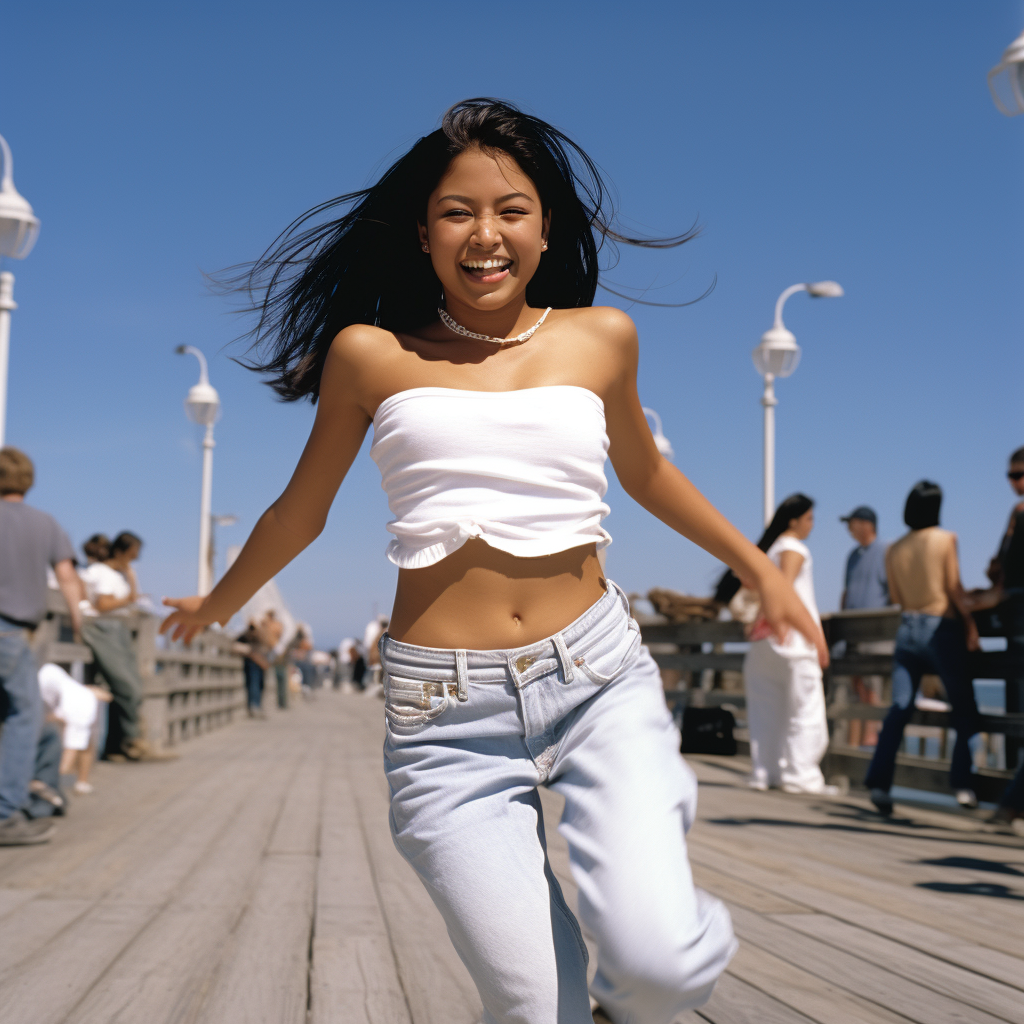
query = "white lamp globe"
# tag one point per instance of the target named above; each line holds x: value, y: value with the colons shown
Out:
x: 778, y: 354
x: 1006, y: 80
x: 19, y: 227
x: 203, y: 404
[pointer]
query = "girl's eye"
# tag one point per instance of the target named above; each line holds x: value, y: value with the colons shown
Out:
x: 515, y: 210
x: 457, y: 213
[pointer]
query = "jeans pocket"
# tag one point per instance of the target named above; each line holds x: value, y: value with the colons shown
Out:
x: 411, y: 702
x: 602, y: 668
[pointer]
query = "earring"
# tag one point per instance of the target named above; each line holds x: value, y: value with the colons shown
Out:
x: 425, y: 247
x: 544, y: 246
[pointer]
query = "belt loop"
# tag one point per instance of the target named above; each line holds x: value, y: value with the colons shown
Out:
x: 563, y: 656
x: 461, y: 676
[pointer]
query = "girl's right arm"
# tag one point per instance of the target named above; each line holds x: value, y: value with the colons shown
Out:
x: 298, y: 516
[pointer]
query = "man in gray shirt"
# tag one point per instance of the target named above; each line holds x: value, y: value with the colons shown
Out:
x: 866, y: 586
x: 30, y: 542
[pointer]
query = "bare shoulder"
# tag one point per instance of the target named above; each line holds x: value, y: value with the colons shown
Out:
x: 356, y: 344
x: 604, y: 322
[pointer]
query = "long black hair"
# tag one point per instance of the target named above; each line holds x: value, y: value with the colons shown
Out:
x: 791, y: 508
x: 366, y: 266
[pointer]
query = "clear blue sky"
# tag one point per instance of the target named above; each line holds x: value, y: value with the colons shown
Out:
x: 853, y: 141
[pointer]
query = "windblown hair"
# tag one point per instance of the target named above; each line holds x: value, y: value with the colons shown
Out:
x: 366, y: 266
x: 924, y: 503
x: 791, y: 508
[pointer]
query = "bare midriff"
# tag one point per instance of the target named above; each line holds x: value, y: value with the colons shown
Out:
x: 480, y: 598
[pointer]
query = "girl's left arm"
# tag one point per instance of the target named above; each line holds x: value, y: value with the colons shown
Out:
x: 666, y: 493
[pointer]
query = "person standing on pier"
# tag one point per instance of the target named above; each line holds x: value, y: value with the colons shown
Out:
x: 936, y: 631
x: 30, y: 542
x: 450, y: 308
x: 782, y: 678
x: 865, y: 587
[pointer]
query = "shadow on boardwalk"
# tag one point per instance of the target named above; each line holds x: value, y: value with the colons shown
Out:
x: 254, y: 882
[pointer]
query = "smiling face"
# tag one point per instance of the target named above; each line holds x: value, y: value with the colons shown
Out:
x: 485, y: 230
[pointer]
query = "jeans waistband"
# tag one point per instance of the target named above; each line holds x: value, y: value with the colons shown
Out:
x: 521, y: 664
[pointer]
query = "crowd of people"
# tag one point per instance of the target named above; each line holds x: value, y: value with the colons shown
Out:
x: 920, y: 573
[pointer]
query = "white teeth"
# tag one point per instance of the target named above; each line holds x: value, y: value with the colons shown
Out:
x: 486, y: 264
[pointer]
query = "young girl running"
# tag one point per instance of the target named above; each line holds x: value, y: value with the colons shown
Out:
x: 450, y: 309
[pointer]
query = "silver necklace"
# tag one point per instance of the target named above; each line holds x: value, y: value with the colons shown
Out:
x: 451, y: 324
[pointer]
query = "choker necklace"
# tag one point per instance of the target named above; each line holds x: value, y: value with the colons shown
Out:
x: 447, y: 320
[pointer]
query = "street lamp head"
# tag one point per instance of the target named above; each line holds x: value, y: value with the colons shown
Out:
x: 19, y: 227
x: 1006, y: 80
x: 825, y: 290
x: 203, y: 402
x: 778, y: 354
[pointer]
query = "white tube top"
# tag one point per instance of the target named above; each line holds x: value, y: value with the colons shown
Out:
x: 521, y: 470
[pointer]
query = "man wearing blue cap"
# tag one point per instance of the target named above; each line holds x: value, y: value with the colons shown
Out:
x: 866, y: 587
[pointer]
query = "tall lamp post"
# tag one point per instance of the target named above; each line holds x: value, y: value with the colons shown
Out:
x: 19, y: 228
x: 1006, y: 79
x: 778, y: 355
x: 203, y: 407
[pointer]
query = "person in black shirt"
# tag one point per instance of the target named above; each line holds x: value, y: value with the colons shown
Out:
x: 1001, y: 610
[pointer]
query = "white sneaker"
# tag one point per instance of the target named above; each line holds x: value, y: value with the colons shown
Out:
x: 790, y: 787
x: 967, y: 798
x: 759, y: 784
x: 82, y: 788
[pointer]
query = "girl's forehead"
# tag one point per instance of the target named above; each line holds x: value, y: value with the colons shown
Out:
x: 484, y: 171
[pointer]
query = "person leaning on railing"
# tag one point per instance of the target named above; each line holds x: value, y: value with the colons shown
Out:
x: 935, y: 633
x: 112, y: 590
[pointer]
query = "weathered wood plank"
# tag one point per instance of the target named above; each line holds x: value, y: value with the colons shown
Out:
x: 354, y: 977
x: 163, y: 975
x: 436, y: 982
x: 939, y: 976
x: 994, y: 964
x: 850, y: 972
x: 736, y: 1002
x: 262, y: 977
x: 806, y: 992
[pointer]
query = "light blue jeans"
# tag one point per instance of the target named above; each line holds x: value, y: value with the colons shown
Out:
x: 471, y: 735
x: 18, y: 677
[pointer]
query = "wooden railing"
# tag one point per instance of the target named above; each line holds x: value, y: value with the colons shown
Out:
x: 186, y: 691
x: 709, y: 675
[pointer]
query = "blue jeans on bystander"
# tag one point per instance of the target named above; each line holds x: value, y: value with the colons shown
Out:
x: 23, y: 717
x: 927, y: 644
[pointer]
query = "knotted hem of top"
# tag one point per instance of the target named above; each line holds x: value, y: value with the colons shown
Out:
x: 533, y: 547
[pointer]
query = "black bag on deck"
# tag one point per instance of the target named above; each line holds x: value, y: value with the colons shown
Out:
x: 708, y: 731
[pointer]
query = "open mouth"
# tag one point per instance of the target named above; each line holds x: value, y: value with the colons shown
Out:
x: 487, y: 271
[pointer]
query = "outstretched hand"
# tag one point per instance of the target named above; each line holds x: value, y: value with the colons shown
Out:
x: 188, y: 620
x: 782, y: 610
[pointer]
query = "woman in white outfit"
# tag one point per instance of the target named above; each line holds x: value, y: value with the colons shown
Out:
x: 785, y: 696
x: 450, y: 310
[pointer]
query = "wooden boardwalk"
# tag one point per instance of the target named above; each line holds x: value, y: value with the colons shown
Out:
x: 253, y: 881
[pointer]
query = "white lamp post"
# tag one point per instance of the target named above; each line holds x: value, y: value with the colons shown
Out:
x: 19, y: 228
x: 778, y: 355
x: 203, y: 407
x: 1006, y: 79
x: 661, y: 442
